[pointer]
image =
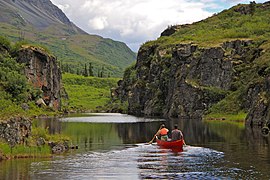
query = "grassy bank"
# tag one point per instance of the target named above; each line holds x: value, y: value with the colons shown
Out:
x: 90, y: 94
x: 30, y: 149
x: 238, y: 117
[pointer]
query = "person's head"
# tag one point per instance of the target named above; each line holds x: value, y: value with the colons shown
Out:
x: 175, y: 126
x: 162, y: 126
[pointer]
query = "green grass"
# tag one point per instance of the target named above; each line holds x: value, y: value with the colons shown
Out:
x: 225, y: 26
x: 237, y: 117
x: 88, y: 93
x: 30, y: 149
x: 10, y: 109
x: 24, y: 151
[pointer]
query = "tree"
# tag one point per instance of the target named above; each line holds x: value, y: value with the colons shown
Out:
x: 90, y: 70
x: 102, y: 72
x: 85, y: 72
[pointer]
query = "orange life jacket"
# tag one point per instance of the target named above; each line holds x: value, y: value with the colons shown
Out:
x: 163, y: 131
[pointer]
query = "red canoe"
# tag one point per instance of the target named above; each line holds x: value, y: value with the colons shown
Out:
x: 171, y: 144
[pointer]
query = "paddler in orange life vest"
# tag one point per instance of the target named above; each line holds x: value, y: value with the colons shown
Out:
x: 163, y: 133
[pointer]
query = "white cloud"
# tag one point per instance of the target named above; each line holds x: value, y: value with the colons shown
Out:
x: 134, y: 21
x: 98, y: 23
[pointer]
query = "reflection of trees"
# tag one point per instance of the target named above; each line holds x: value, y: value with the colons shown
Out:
x: 16, y: 169
x: 88, y: 136
x: 52, y: 123
x: 92, y: 135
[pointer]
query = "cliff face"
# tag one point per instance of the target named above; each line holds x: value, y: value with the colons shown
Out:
x: 42, y: 71
x: 185, y: 80
x: 259, y: 113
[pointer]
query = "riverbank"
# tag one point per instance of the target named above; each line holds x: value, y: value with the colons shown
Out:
x: 236, y: 117
x: 21, y: 138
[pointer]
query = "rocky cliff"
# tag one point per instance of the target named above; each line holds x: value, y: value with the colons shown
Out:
x: 188, y: 80
x: 218, y: 65
x: 42, y: 72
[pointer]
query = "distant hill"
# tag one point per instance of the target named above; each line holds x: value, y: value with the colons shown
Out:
x: 41, y: 22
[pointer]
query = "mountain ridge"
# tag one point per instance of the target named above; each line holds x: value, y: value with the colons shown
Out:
x: 44, y: 23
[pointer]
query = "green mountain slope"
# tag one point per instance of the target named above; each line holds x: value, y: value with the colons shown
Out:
x: 43, y: 23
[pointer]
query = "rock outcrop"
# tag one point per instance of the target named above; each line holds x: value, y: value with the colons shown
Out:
x: 185, y: 79
x: 42, y: 71
x: 259, y: 93
x: 16, y: 130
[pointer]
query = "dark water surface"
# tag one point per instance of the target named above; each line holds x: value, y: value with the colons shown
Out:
x: 114, y: 146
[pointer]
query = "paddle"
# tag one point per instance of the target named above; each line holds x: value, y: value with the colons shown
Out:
x: 184, y: 142
x: 150, y: 142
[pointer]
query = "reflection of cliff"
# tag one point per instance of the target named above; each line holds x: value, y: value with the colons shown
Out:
x: 195, y: 133
x: 258, y: 143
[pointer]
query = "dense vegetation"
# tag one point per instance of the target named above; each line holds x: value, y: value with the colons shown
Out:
x: 17, y: 96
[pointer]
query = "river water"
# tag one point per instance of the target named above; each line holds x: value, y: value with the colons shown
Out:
x: 114, y: 146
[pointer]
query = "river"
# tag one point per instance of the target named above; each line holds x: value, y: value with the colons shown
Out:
x: 114, y: 146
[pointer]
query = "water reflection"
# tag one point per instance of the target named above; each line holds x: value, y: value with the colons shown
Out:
x: 115, y: 148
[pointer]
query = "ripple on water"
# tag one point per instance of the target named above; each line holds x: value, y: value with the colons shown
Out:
x: 140, y: 162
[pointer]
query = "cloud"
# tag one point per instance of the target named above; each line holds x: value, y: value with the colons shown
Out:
x: 98, y: 23
x: 135, y: 21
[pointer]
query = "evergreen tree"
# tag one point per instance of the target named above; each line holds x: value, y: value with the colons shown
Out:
x: 91, y: 70
x: 85, y: 73
x: 102, y: 72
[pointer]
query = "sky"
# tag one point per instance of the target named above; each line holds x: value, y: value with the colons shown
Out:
x: 137, y: 21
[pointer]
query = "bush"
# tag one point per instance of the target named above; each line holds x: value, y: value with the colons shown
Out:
x: 11, y: 80
x: 5, y: 42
